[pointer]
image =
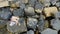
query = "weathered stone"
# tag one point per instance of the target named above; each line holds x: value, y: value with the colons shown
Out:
x: 4, y: 4
x: 18, y: 12
x: 55, y: 23
x: 49, y: 31
x: 30, y: 32
x: 50, y: 10
x: 57, y: 15
x: 17, y: 25
x: 32, y: 2
x: 53, y: 2
x: 58, y: 4
x: 22, y: 6
x: 5, y: 13
x: 38, y: 7
x: 45, y: 2
x: 29, y: 11
x: 41, y: 23
x: 3, y: 23
x: 31, y: 22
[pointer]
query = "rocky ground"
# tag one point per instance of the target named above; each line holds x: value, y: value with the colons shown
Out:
x: 29, y: 16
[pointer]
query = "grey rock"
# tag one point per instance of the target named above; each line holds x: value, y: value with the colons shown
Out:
x: 31, y: 22
x: 32, y: 2
x: 22, y: 6
x: 3, y: 23
x: 55, y: 23
x: 20, y: 27
x: 53, y: 2
x: 18, y: 12
x: 58, y: 4
x: 49, y: 31
x: 5, y: 13
x: 57, y: 15
x: 30, y: 32
x: 29, y: 11
x: 38, y: 7
x: 41, y: 23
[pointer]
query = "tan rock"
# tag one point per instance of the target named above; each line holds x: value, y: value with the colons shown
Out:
x: 50, y: 10
x: 4, y: 3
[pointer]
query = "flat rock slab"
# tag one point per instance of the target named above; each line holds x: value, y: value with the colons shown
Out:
x: 49, y: 31
x: 50, y: 10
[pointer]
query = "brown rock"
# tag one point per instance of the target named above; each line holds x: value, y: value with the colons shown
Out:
x: 50, y: 10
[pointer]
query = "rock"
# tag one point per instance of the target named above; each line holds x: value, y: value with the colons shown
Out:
x: 55, y: 24
x: 29, y: 11
x: 22, y: 6
x: 4, y: 4
x: 3, y: 23
x: 50, y: 10
x: 53, y: 2
x: 38, y: 7
x: 32, y: 2
x: 17, y: 25
x: 18, y: 12
x: 31, y: 23
x: 49, y: 31
x: 30, y: 32
x: 5, y: 13
x: 41, y: 23
x: 58, y: 4
x: 45, y: 2
x: 57, y: 15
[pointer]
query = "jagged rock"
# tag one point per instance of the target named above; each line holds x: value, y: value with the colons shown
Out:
x: 31, y: 22
x: 30, y: 32
x: 29, y: 11
x: 16, y: 25
x: 18, y: 12
x: 50, y: 10
x: 49, y: 31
